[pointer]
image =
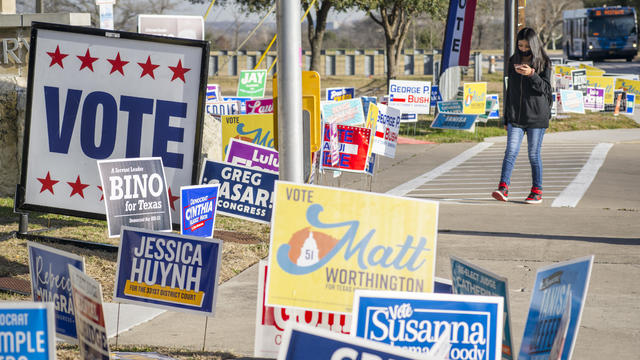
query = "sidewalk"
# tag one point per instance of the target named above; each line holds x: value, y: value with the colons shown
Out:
x: 512, y: 240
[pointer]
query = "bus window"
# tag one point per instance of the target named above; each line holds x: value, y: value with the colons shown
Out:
x: 612, y: 26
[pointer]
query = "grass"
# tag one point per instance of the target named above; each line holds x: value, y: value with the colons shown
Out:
x: 244, y: 244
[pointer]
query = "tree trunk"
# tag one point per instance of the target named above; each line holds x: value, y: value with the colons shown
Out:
x: 392, y: 62
x: 316, y: 50
x: 316, y: 32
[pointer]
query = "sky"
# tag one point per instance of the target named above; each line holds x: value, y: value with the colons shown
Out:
x: 227, y: 12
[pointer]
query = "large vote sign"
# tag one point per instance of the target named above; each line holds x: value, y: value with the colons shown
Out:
x: 50, y: 283
x: 135, y: 194
x: 256, y: 129
x: 90, y: 324
x: 307, y: 343
x: 27, y: 330
x: 353, y: 148
x: 96, y: 95
x: 469, y: 279
x: 454, y: 121
x: 629, y: 86
x: 245, y: 193
x: 411, y: 97
x: 198, y: 214
x: 607, y: 83
x: 387, y: 126
x: 557, y: 301
x: 272, y: 321
x: 416, y: 321
x: 168, y: 271
x: 327, y: 242
x: 251, y: 155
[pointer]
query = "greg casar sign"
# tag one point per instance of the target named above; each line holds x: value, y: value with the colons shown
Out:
x: 95, y: 95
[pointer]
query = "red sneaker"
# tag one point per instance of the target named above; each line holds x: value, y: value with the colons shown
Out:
x: 502, y: 194
x: 535, y: 197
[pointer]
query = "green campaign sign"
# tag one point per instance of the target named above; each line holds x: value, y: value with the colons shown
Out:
x: 252, y: 83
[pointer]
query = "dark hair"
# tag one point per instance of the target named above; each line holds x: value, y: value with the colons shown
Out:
x: 539, y: 58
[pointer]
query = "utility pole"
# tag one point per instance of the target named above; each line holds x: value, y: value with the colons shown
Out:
x: 290, y: 126
x: 509, y: 38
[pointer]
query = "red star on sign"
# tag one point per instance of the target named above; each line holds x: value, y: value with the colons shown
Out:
x: 178, y: 71
x: 148, y: 67
x: 117, y: 64
x: 56, y: 57
x: 101, y: 193
x: 87, y: 60
x: 47, y: 183
x: 77, y: 187
x: 172, y: 199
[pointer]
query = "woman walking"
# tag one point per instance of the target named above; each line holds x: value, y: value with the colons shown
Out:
x: 527, y: 110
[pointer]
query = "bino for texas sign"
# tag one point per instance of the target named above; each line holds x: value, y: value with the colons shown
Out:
x: 96, y: 95
x: 327, y: 242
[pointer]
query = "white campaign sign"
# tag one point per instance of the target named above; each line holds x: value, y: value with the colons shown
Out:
x: 385, y: 138
x: 410, y: 96
x: 94, y: 97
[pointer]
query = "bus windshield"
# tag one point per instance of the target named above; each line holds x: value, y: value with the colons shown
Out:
x: 612, y: 26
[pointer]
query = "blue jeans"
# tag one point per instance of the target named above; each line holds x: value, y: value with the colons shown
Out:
x: 534, y: 144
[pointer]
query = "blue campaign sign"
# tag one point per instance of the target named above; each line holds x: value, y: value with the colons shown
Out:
x: 415, y: 321
x: 245, y: 193
x: 556, y: 307
x: 469, y: 279
x: 442, y: 286
x: 341, y: 93
x: 453, y: 106
x: 303, y: 342
x: 436, y: 97
x: 198, y: 214
x: 27, y: 331
x: 366, y: 100
x: 47, y: 263
x: 495, y: 111
x: 168, y: 271
x: 631, y: 101
x: 223, y: 107
x: 454, y: 121
x: 242, y: 100
x: 409, y: 118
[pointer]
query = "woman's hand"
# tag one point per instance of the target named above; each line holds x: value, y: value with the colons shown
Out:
x: 524, y: 69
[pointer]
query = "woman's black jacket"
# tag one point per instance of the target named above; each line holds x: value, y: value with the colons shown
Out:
x: 528, y: 100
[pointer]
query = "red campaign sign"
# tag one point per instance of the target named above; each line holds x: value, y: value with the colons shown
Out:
x: 271, y: 321
x: 354, y: 148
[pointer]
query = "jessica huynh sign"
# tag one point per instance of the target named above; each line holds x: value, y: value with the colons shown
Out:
x: 327, y: 242
x: 168, y: 271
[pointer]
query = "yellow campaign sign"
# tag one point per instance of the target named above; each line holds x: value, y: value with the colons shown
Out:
x: 257, y: 129
x: 564, y: 70
x: 371, y: 123
x: 605, y: 82
x: 475, y: 97
x: 592, y: 70
x: 327, y: 242
x: 630, y: 86
x: 164, y: 293
x: 310, y: 105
